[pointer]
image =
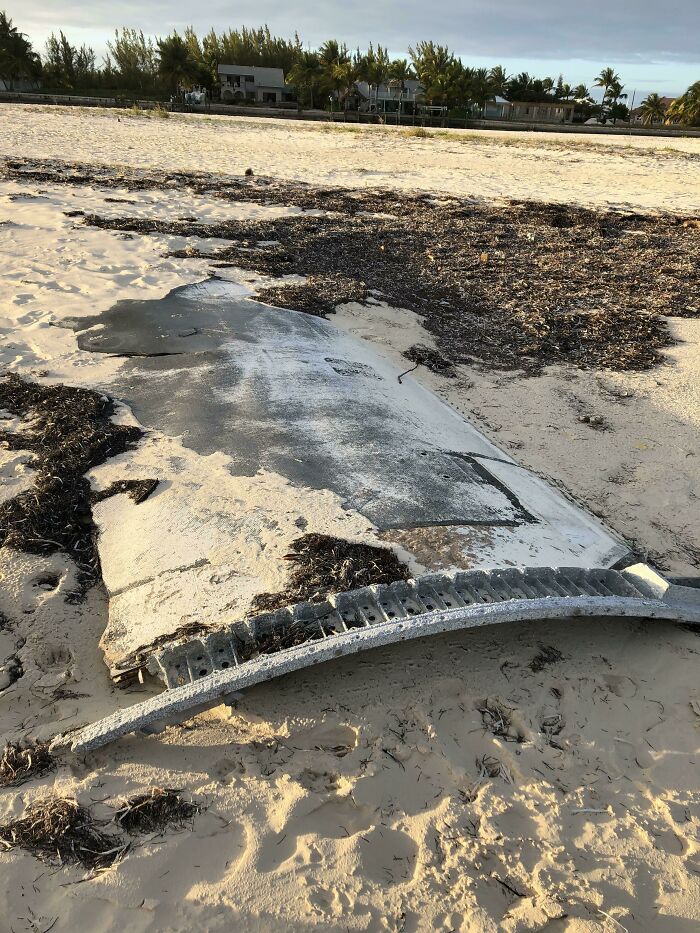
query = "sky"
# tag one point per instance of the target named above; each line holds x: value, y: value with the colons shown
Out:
x: 653, y: 46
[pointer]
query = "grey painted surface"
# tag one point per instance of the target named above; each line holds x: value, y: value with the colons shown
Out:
x: 290, y: 393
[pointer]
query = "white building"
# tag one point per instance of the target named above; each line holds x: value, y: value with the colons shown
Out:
x: 240, y: 83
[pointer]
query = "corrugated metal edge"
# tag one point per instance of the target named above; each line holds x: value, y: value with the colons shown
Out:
x: 182, y: 702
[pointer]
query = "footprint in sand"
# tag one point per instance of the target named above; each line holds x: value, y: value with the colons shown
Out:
x: 387, y: 856
x: 338, y: 818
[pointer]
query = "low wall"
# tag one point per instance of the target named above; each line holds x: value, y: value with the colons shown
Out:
x: 76, y: 100
x: 287, y: 113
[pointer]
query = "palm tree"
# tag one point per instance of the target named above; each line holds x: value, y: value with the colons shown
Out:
x: 482, y: 89
x: 400, y: 70
x: 498, y: 79
x: 17, y: 58
x: 307, y: 74
x: 607, y: 79
x: 175, y: 63
x: 581, y: 92
x: 341, y: 77
x: 332, y: 53
x: 373, y: 68
x: 686, y: 108
x: 653, y: 110
x: 616, y: 94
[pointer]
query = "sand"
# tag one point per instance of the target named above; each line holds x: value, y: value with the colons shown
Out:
x: 369, y: 794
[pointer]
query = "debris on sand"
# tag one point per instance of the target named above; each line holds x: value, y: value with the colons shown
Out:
x: 498, y: 720
x: 431, y: 359
x: 318, y: 295
x: 561, y: 284
x: 69, y: 431
x: 545, y: 656
x: 322, y: 564
x: 155, y: 811
x: 58, y: 829
x: 137, y: 489
x: 490, y: 767
x: 20, y: 763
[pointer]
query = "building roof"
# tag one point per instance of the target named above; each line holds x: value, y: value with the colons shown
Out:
x: 269, y: 77
x: 543, y: 103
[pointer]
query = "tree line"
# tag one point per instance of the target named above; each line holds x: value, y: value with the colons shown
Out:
x: 142, y: 66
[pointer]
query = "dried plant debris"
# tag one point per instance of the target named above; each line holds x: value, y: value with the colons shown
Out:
x: 545, y: 656
x: 322, y: 564
x: 517, y: 286
x: 279, y: 638
x: 498, y: 719
x: 490, y: 767
x: 552, y: 726
x: 155, y: 811
x: 20, y: 763
x: 58, y: 829
x: 319, y: 295
x: 69, y: 431
x: 137, y: 489
x: 431, y: 359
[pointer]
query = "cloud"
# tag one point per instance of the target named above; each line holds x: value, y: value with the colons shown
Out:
x: 627, y: 31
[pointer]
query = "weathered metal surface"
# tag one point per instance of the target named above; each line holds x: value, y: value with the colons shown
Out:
x: 203, y: 672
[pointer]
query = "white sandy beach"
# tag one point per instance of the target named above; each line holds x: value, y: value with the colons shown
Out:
x: 350, y: 797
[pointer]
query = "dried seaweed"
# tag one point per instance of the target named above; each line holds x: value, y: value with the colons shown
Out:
x: 137, y: 489
x: 517, y: 286
x: 431, y: 359
x: 280, y: 638
x: 20, y: 763
x: 545, y: 656
x: 58, y: 829
x: 499, y: 722
x: 155, y: 811
x: 69, y: 431
x: 322, y: 564
x: 320, y: 295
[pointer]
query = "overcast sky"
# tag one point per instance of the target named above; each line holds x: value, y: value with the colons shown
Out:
x: 654, y: 46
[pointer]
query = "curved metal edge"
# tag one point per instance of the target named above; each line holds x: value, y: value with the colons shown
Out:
x: 182, y: 702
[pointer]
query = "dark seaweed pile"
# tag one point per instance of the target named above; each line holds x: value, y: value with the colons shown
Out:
x: 431, y: 359
x: 20, y: 763
x: 137, y: 490
x: 322, y: 564
x: 521, y: 285
x: 58, y: 829
x: 155, y: 811
x: 69, y: 431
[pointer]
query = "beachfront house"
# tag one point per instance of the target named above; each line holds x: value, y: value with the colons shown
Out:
x: 389, y: 96
x: 638, y: 114
x: 252, y: 84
